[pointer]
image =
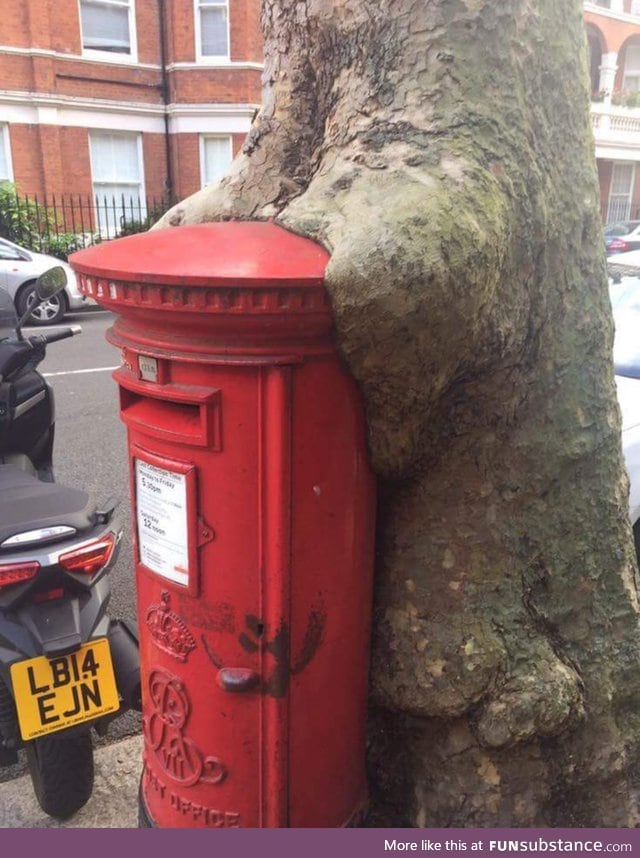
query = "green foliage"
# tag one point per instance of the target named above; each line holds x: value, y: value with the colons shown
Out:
x: 626, y: 99
x: 21, y: 220
x: 64, y: 243
x: 131, y: 227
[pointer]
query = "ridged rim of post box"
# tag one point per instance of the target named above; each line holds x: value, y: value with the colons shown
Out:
x: 231, y: 254
x: 232, y: 268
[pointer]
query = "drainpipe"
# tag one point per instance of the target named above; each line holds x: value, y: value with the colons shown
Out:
x: 165, y: 97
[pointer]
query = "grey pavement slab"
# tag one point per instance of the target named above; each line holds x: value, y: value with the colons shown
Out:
x: 114, y: 803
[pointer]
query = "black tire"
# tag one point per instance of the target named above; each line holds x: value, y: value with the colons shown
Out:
x: 62, y: 773
x: 50, y: 312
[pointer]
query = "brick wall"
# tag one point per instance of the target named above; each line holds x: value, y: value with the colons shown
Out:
x: 215, y: 85
x: 186, y: 164
x: 155, y: 164
x: 27, y: 159
x: 50, y: 157
x: 76, y: 171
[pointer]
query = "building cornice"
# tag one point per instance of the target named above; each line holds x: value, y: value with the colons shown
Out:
x: 74, y: 102
x: 218, y: 64
x: 217, y: 109
x: 210, y: 118
x: 30, y: 108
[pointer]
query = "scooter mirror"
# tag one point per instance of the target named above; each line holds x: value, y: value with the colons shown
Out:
x: 51, y: 282
x: 47, y: 285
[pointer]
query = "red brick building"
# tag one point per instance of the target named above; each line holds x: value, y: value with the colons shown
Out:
x: 152, y: 97
x: 135, y: 97
x: 613, y: 32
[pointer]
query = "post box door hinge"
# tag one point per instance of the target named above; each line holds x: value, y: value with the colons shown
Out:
x: 205, y: 532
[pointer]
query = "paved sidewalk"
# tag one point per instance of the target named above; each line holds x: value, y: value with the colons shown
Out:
x: 114, y: 803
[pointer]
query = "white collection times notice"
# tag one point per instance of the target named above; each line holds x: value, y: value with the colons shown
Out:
x: 161, y: 514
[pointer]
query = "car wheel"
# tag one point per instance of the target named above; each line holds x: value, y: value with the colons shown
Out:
x: 49, y: 312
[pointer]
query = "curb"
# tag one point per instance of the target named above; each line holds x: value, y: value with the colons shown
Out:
x: 114, y: 803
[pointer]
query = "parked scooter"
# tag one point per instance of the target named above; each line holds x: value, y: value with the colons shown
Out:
x: 65, y: 666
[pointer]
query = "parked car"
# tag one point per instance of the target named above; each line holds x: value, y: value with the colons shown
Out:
x: 19, y: 269
x: 624, y: 264
x: 622, y: 236
x: 625, y: 301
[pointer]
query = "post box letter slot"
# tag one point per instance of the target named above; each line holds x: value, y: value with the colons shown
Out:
x: 172, y: 420
x: 177, y: 413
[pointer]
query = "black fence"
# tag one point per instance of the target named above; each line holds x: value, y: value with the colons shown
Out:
x: 61, y: 225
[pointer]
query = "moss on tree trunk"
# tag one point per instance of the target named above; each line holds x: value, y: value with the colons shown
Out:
x: 442, y: 151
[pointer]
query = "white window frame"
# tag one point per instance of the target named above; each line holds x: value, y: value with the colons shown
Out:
x: 6, y: 141
x: 210, y: 59
x: 202, y: 140
x: 615, y: 216
x: 141, y: 183
x: 113, y: 56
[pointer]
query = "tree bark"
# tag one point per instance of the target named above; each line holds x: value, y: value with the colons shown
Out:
x: 441, y: 150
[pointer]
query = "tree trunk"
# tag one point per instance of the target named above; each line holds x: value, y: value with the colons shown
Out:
x: 441, y: 150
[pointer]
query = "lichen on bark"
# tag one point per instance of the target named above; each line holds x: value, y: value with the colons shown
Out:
x: 441, y: 150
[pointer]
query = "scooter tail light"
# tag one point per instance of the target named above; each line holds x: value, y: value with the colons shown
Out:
x: 17, y: 573
x: 90, y: 558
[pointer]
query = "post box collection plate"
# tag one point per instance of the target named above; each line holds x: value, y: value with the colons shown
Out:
x: 161, y: 517
x: 165, y: 518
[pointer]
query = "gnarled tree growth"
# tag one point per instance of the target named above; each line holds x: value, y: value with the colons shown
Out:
x: 441, y: 150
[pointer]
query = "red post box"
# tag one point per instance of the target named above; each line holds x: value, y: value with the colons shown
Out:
x: 253, y: 514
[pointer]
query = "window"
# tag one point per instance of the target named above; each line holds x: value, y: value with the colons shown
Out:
x: 212, y: 29
x: 107, y: 25
x: 6, y: 173
x: 622, y: 178
x: 215, y: 156
x: 9, y: 252
x: 118, y: 184
x: 631, y: 81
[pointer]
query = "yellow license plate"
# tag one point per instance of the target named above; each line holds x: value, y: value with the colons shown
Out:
x: 53, y: 694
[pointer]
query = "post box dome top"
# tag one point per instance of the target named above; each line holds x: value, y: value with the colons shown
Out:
x: 241, y: 253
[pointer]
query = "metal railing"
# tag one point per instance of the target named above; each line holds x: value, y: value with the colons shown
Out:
x: 59, y: 225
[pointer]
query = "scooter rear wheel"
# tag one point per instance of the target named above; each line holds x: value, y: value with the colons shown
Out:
x: 61, y: 770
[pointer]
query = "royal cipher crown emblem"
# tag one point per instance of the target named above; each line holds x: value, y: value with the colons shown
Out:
x: 168, y: 630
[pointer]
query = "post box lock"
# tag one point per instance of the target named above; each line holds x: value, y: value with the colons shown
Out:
x: 238, y: 679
